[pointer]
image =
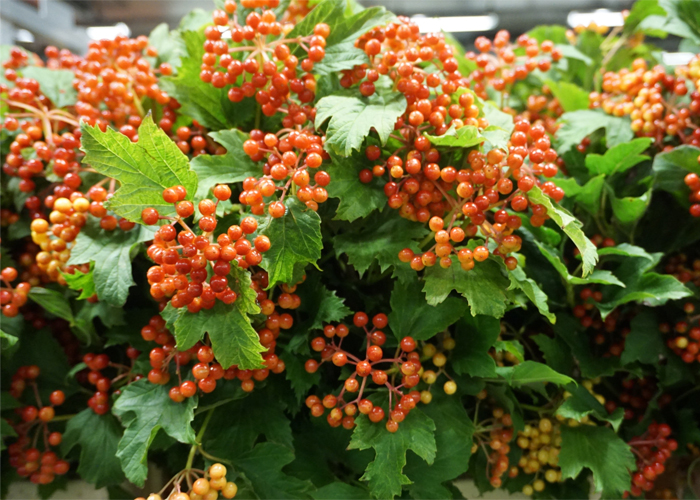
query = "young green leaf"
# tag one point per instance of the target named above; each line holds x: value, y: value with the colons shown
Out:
x: 357, y: 199
x: 600, y: 450
x: 169, y: 45
x: 412, y: 316
x: 619, y: 158
x: 53, y: 301
x: 556, y: 352
x: 98, y: 438
x: 581, y: 403
x: 143, y: 169
x: 110, y: 251
x: 570, y: 96
x: 464, y: 137
x: 630, y: 209
x: 234, y: 166
x: 531, y: 372
x: 81, y: 282
x: 474, y: 337
x: 144, y: 409
x: 233, y: 338
x: 598, y: 276
x: 483, y: 287
x: 578, y: 125
x: 520, y: 281
x: 352, y: 117
x: 385, y: 473
x: 296, y: 239
x: 570, y: 225
x: 56, y: 84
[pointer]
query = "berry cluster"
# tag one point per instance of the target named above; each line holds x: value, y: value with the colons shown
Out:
x: 541, y: 443
x: 495, y: 432
x: 405, y: 363
x: 652, y: 449
x: 685, y: 271
x: 180, y: 275
x: 12, y: 298
x: 686, y: 342
x: 94, y: 376
x: 438, y: 355
x: 39, y: 467
x: 290, y: 156
x: 635, y: 396
x: 262, y: 63
x: 692, y: 180
x: 208, y: 487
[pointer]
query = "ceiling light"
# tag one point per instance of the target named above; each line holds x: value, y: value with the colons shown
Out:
x: 456, y: 24
x: 677, y: 58
x: 601, y: 17
x: 108, y: 32
x: 24, y: 36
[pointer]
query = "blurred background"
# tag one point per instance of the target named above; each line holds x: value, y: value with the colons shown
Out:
x: 71, y: 24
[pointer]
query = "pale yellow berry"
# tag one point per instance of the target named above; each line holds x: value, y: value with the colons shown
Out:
x: 439, y: 359
x: 450, y: 387
x: 448, y: 344
x: 429, y: 350
x: 527, y: 490
x: 426, y: 397
x: 429, y: 377
x: 551, y: 476
x: 545, y: 425
x: 538, y: 485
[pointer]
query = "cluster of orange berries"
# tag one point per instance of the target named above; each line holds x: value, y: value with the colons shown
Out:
x: 191, y: 139
x: 500, y: 434
x: 686, y: 342
x: 180, y: 275
x: 112, y: 79
x: 267, y: 69
x: 289, y: 157
x: 94, y: 376
x: 684, y: 270
x: 692, y: 180
x: 39, y: 467
x: 652, y: 449
x: 406, y: 361
x: 652, y: 98
x: 56, y: 145
x: 12, y: 298
x: 208, y: 487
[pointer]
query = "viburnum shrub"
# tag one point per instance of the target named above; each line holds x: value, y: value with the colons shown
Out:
x: 298, y: 249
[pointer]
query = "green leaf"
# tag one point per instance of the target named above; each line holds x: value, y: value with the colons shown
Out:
x: 357, y: 199
x: 98, y: 437
x: 56, y: 84
x: 582, y: 403
x: 597, y: 276
x: 553, y: 33
x: 143, y: 169
x: 454, y: 432
x: 629, y: 209
x: 520, y: 281
x: 81, y: 282
x: 7, y: 341
x: 570, y: 225
x: 327, y: 306
x: 641, y: 283
x: 483, y: 287
x: 54, y: 302
x: 412, y: 316
x: 210, y: 106
x: 671, y: 167
x: 571, y: 96
x: 341, y: 52
x: 474, y: 337
x: 577, y: 125
x: 144, y: 409
x: 382, y: 237
x: 352, y: 117
x: 296, y: 240
x: 233, y: 338
x: 111, y: 253
x: 385, y: 472
x: 555, y: 351
x: 639, y: 12
x: 169, y: 44
x: 6, y: 430
x: 234, y: 166
x: 591, y: 365
x: 600, y: 450
x: 644, y: 342
x: 263, y: 467
x: 339, y: 491
x: 531, y: 372
x: 464, y: 137
x: 619, y: 158
x: 512, y: 346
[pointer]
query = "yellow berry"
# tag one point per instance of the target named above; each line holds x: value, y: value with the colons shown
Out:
x: 217, y: 471
x: 39, y: 225
x: 211, y: 495
x: 426, y: 397
x: 482, y: 394
x: 63, y: 205
x: 527, y: 490
x: 81, y: 205
x: 229, y: 490
x: 551, y: 476
x: 218, y: 483
x: 439, y: 359
x: 429, y: 377
x: 448, y: 344
x: 429, y: 350
x: 538, y: 485
x: 201, y: 486
x: 450, y: 387
x: 545, y: 425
